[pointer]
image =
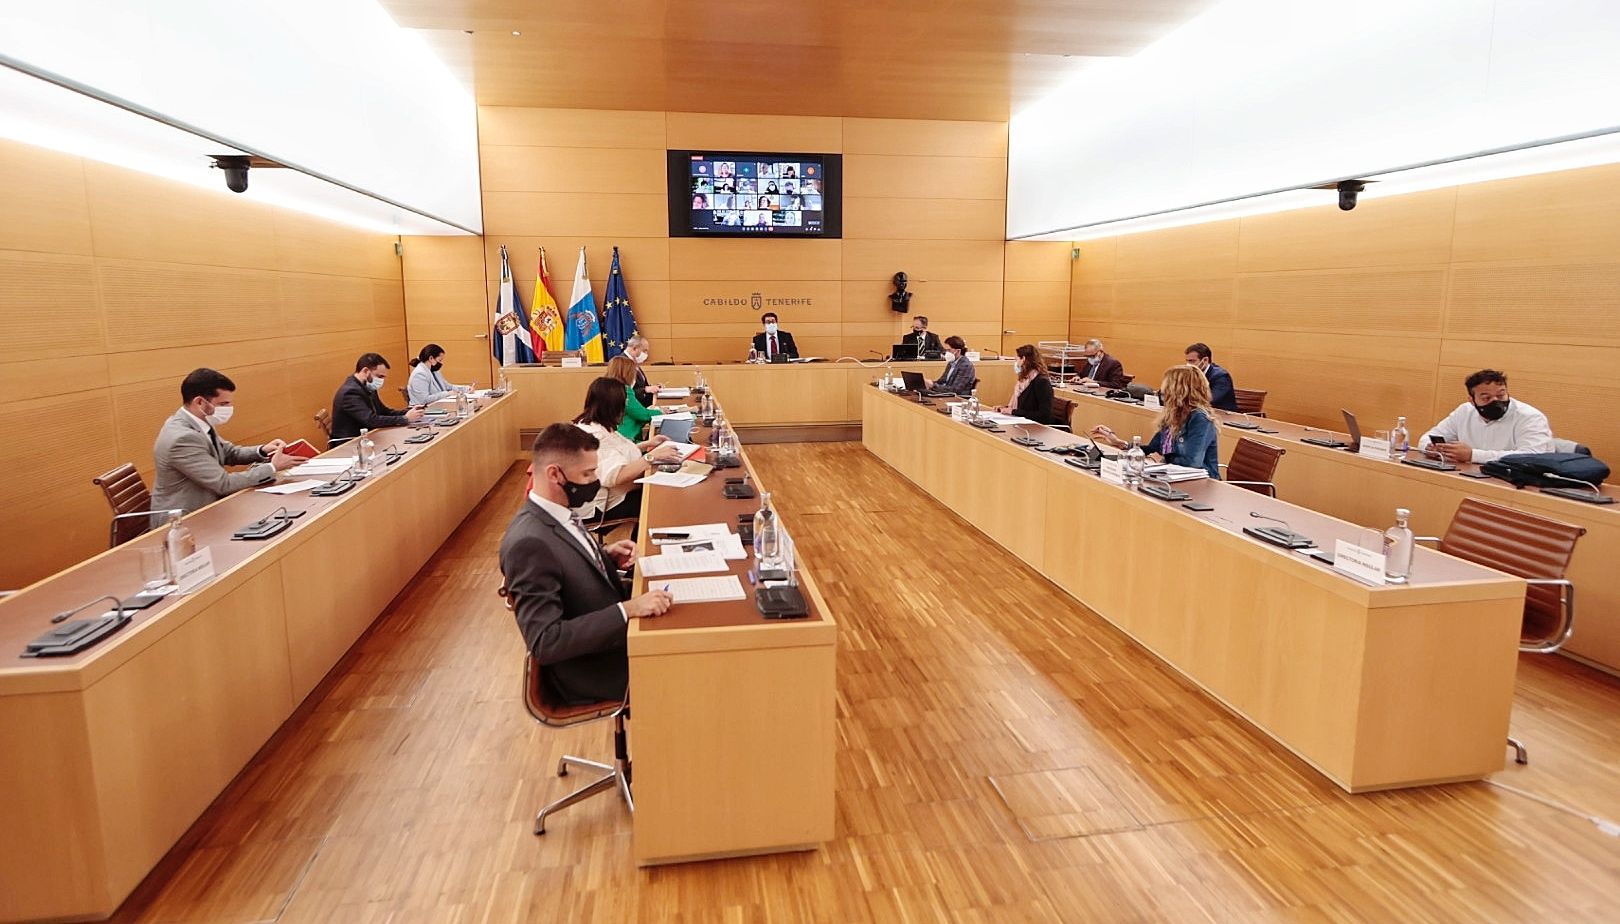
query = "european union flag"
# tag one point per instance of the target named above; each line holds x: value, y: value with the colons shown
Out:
x: 621, y: 321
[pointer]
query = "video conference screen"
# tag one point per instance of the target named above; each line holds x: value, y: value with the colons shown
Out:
x: 747, y: 194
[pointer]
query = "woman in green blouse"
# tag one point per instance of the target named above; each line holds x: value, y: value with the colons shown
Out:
x: 636, y: 415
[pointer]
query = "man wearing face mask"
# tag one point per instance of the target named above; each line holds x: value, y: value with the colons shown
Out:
x: 774, y: 341
x: 928, y: 345
x: 1489, y: 425
x: 358, y: 404
x: 191, y: 457
x: 1101, y: 369
x: 564, y: 586
x: 959, y: 375
x: 639, y: 352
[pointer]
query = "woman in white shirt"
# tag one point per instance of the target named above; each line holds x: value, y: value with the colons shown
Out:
x: 426, y: 384
x: 619, y: 461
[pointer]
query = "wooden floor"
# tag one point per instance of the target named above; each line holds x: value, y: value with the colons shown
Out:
x: 1004, y: 755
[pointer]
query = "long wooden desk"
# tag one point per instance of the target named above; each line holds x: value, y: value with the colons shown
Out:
x: 757, y: 395
x: 107, y: 757
x: 1376, y: 687
x: 1366, y: 490
x: 732, y: 716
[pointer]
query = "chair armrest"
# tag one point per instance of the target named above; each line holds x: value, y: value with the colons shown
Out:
x: 1433, y: 539
x: 1271, y: 488
x: 1567, y: 597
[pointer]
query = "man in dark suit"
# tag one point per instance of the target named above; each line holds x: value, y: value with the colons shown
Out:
x: 773, y: 342
x: 1221, y: 393
x: 1101, y: 368
x: 640, y: 351
x: 357, y: 405
x: 928, y: 345
x: 564, y: 587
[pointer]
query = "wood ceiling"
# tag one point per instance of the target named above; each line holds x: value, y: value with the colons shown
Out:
x: 945, y: 59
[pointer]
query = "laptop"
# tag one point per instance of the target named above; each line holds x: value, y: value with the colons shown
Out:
x: 1351, y: 427
x: 906, y: 351
x: 914, y: 381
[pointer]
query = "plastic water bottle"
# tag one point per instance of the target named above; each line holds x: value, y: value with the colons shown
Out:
x: 506, y: 384
x: 178, y: 545
x: 767, y: 539
x: 1398, y: 548
x: 1135, y: 463
x: 1400, y: 439
x: 973, y: 406
x: 463, y: 404
x: 365, y: 451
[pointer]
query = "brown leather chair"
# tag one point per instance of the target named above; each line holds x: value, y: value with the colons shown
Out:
x: 1253, y: 466
x: 556, y: 715
x: 130, y: 501
x: 1527, y: 546
x: 1250, y: 401
x: 324, y: 421
x: 1062, y: 413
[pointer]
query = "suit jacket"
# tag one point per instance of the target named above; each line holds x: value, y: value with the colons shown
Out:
x: 784, y: 341
x: 191, y: 465
x: 642, y: 394
x: 1035, y: 402
x: 930, y: 343
x: 567, y: 607
x: 1221, y: 394
x: 958, y: 377
x: 1110, y: 372
x: 356, y: 407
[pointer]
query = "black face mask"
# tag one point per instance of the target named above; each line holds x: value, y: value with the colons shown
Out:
x: 579, y: 494
x: 1496, y: 410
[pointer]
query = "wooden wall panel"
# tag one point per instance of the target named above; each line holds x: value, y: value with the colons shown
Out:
x: 1394, y: 304
x: 115, y: 284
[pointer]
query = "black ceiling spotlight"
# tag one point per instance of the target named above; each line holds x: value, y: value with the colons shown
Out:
x: 1348, y: 191
x: 236, y: 169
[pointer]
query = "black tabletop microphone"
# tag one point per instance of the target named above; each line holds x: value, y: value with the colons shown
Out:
x: 118, y: 607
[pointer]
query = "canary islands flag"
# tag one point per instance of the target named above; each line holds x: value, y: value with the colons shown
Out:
x: 620, y: 320
x: 548, y: 321
x: 584, y: 332
x: 511, y: 340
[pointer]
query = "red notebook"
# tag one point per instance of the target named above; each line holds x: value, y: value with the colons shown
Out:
x: 301, y: 448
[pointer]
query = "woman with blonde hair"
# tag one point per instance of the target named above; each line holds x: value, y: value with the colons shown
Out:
x: 1186, y: 424
x: 636, y: 414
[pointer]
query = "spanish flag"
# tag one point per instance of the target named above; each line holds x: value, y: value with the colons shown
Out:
x: 548, y: 322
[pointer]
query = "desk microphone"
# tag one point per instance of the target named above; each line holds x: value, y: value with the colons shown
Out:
x: 1260, y: 516
x: 118, y: 606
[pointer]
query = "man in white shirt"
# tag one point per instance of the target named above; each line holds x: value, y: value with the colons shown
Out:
x: 1489, y: 425
x: 565, y: 587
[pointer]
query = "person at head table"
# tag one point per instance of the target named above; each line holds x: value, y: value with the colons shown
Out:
x: 1489, y: 425
x: 191, y: 457
x: 1100, y: 368
x: 358, y: 406
x: 640, y: 350
x: 636, y: 414
x: 621, y: 460
x: 1221, y: 393
x: 564, y: 587
x: 773, y: 341
x: 1187, y: 434
x: 1032, y: 392
x: 427, y: 383
x: 959, y: 373
x: 926, y: 341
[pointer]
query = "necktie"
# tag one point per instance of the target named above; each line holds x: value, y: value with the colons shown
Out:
x: 592, y: 547
x: 213, y: 437
x: 772, y: 351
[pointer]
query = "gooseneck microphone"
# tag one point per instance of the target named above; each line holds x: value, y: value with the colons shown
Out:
x: 118, y: 605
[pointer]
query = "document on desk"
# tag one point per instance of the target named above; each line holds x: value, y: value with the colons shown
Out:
x: 685, y: 449
x: 703, y: 562
x: 291, y: 487
x: 671, y: 479
x: 1004, y: 419
x: 1172, y: 472
x: 674, y: 392
x: 316, y: 468
x: 702, y: 532
x: 703, y: 589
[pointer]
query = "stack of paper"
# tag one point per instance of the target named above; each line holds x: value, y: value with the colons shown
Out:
x: 1174, y: 473
x: 730, y: 547
x: 671, y: 479
x: 674, y: 392
x: 702, y: 532
x: 700, y: 562
x: 323, y: 467
x: 290, y: 487
x: 685, y: 449
x: 673, y: 415
x: 703, y: 589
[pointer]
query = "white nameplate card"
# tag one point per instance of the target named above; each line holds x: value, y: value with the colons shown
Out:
x: 1150, y: 401
x: 573, y: 362
x: 1113, y: 471
x: 1364, y: 565
x: 1377, y: 449
x: 973, y: 356
x: 194, y: 571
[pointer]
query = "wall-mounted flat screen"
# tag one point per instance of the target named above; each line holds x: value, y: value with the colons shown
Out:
x: 755, y: 194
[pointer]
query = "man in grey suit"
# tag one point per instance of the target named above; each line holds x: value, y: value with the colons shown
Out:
x: 190, y: 456
x: 564, y: 586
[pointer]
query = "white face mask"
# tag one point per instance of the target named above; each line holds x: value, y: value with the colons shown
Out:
x: 221, y: 416
x: 770, y: 328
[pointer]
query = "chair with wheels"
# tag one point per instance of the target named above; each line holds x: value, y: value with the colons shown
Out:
x: 1062, y: 414
x: 130, y: 501
x: 1527, y: 546
x: 1250, y: 401
x: 1253, y: 466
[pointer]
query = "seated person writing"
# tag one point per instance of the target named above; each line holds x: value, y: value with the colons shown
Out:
x: 1032, y: 393
x: 1187, y: 434
x: 564, y: 587
x: 1489, y: 425
x: 426, y: 384
x: 1102, y: 369
x: 191, y: 457
x: 356, y: 406
x: 959, y: 373
x: 620, y: 462
x: 636, y: 413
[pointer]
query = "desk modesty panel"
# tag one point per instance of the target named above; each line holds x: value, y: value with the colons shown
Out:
x: 733, y: 728
x: 1376, y: 687
x: 111, y: 754
x: 1366, y: 491
x: 791, y: 395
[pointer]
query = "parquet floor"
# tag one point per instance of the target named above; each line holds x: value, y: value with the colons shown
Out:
x: 1004, y: 755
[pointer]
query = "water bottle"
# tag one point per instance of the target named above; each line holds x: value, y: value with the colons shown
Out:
x: 1135, y: 463
x: 717, y: 435
x: 1399, y: 439
x: 1398, y: 548
x: 365, y: 451
x: 505, y: 384
x: 178, y: 544
x: 463, y: 404
x: 729, y: 446
x: 767, y: 540
x: 973, y: 406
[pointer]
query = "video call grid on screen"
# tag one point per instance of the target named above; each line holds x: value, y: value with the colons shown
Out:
x: 734, y: 195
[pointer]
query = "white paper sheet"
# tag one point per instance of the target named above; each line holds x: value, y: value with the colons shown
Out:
x: 674, y: 392
x: 701, y: 532
x: 702, y: 589
x: 671, y: 562
x: 671, y: 479
x: 290, y: 487
x: 730, y: 547
x: 321, y: 467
